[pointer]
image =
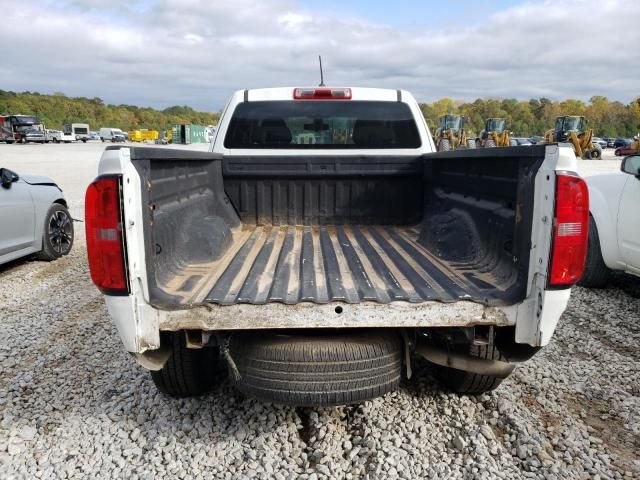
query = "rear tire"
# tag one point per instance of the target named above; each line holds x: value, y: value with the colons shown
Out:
x: 596, y: 273
x: 317, y: 370
x: 57, y: 235
x: 596, y: 153
x: 445, y: 146
x: 187, y: 372
x: 459, y: 381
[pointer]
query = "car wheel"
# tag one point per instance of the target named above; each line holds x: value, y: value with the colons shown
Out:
x: 617, y: 153
x: 57, y: 236
x: 188, y: 372
x: 320, y: 369
x: 596, y: 273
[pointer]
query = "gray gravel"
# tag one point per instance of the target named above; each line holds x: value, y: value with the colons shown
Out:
x: 73, y: 404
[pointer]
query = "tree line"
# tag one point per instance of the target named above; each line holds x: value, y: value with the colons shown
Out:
x: 524, y: 118
x: 535, y: 116
x: 57, y: 109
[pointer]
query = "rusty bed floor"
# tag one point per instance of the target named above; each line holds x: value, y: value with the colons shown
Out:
x: 333, y: 263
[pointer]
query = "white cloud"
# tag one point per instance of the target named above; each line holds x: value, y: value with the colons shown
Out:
x: 198, y: 51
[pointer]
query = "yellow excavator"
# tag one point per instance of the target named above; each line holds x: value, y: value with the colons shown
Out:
x: 570, y: 129
x: 450, y: 135
x: 494, y: 134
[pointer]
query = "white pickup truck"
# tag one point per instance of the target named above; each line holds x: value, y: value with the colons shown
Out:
x: 323, y: 241
x: 614, y: 229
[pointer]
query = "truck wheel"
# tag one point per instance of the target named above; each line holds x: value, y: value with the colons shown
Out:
x: 57, y: 236
x: 444, y: 145
x: 596, y: 273
x: 460, y: 381
x: 84, y: 140
x: 596, y: 153
x: 187, y: 372
x: 317, y: 370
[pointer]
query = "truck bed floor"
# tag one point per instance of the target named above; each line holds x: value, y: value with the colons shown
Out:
x: 322, y: 264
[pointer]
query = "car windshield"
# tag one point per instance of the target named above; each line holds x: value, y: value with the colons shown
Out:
x: 572, y: 124
x: 21, y: 120
x: 495, y: 125
x: 312, y: 124
x: 451, y: 122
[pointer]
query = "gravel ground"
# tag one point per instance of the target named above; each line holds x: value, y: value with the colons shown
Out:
x: 73, y: 404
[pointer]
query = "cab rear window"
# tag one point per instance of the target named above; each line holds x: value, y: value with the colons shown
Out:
x: 313, y: 124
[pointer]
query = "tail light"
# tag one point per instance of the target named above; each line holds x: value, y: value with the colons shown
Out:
x: 571, y: 230
x: 105, y: 240
x: 322, y: 93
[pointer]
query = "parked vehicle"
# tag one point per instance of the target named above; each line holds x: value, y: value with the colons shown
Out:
x: 144, y: 135
x: 626, y: 150
x: 495, y: 134
x: 621, y: 142
x: 451, y: 135
x: 609, y: 141
x: 522, y: 141
x: 319, y: 243
x: 614, y: 229
x: 33, y: 135
x: 94, y: 136
x: 58, y: 136
x: 34, y: 218
x: 112, y: 135
x: 14, y: 127
x: 536, y: 139
x: 599, y: 141
x: 79, y: 131
x: 571, y: 129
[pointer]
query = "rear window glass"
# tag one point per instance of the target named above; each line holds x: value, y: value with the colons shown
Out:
x: 322, y: 124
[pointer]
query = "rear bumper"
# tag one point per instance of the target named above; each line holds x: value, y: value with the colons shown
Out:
x: 139, y: 325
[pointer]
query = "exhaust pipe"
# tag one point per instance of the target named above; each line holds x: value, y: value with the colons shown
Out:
x: 459, y: 361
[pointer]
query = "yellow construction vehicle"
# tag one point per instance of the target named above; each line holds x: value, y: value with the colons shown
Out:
x: 450, y: 135
x: 143, y: 135
x: 494, y: 134
x: 570, y: 129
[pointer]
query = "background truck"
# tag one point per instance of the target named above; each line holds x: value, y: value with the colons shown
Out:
x: 14, y: 128
x: 315, y: 270
x: 614, y: 230
x: 58, y: 136
x: 111, y: 135
x: 78, y: 131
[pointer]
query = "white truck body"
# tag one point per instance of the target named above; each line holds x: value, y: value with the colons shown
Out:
x: 141, y: 316
x: 614, y: 200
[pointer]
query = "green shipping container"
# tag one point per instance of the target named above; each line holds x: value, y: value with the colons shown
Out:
x: 189, y: 133
x: 196, y: 134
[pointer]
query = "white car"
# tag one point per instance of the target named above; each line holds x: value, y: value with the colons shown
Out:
x: 614, y: 226
x: 34, y: 218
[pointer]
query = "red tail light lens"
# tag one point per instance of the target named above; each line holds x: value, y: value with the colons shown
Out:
x: 105, y: 241
x: 322, y: 93
x: 571, y: 230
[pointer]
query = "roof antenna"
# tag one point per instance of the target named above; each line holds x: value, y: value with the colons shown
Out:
x: 321, y: 74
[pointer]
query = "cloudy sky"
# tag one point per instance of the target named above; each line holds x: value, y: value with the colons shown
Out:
x: 196, y: 52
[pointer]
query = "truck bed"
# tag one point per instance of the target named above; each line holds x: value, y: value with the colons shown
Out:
x: 321, y: 264
x: 354, y: 230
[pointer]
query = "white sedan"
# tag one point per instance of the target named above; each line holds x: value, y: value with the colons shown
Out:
x: 33, y: 218
x: 614, y: 227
